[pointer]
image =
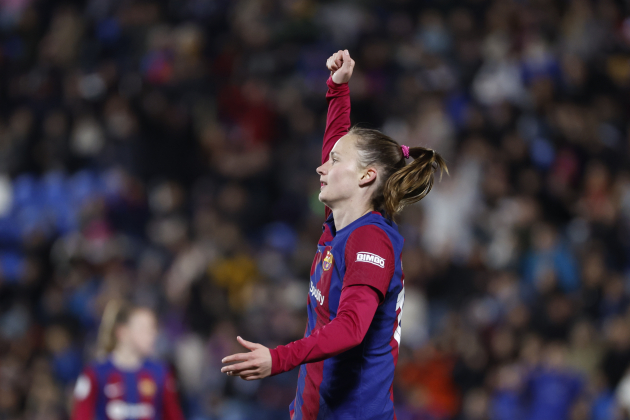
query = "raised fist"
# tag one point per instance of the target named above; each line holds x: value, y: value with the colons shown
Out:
x: 340, y: 65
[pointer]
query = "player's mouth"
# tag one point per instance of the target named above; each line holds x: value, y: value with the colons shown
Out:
x: 322, y: 185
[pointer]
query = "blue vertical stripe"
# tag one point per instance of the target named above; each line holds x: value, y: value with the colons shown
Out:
x: 299, y: 400
x: 131, y: 387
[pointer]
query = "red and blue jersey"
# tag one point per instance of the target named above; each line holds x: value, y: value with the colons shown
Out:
x: 104, y: 392
x: 349, y: 351
x: 356, y: 384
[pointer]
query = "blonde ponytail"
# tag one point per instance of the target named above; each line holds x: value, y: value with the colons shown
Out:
x: 116, y: 313
x: 400, y: 184
x: 412, y: 182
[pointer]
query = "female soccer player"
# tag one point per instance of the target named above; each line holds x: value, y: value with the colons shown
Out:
x: 126, y: 384
x: 350, y: 349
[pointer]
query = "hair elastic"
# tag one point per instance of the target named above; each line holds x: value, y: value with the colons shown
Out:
x: 405, y: 151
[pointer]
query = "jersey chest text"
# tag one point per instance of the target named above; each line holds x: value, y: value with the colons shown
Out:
x: 129, y: 396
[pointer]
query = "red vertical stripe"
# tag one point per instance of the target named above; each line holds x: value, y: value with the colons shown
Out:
x: 317, y: 260
x: 147, y: 389
x: 85, y: 395
x: 315, y: 371
x: 114, y: 390
x: 310, y: 396
x: 327, y: 235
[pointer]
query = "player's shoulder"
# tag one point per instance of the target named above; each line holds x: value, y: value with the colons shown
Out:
x: 157, y: 367
x: 368, y: 232
x: 88, y: 380
x: 376, y: 227
x: 99, y: 365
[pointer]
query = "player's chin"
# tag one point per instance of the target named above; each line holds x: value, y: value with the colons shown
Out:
x: 322, y: 197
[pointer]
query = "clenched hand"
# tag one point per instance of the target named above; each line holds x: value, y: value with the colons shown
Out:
x: 340, y: 65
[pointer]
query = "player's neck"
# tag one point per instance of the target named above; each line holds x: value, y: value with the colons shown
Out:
x: 126, y: 359
x: 346, y: 214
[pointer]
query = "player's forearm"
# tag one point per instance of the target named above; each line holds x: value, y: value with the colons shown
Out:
x: 326, y: 342
x: 357, y: 307
x: 338, y: 118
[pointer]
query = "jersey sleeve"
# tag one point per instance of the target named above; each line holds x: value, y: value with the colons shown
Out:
x: 84, y: 397
x: 172, y: 409
x: 370, y: 261
x: 357, y: 306
x: 338, y: 118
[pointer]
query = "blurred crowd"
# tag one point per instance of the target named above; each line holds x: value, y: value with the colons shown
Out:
x: 165, y: 152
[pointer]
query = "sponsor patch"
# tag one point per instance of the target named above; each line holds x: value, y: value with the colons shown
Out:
x: 120, y: 410
x: 368, y: 257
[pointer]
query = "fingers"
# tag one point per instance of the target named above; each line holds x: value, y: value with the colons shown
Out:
x: 240, y: 357
x: 335, y: 61
x: 249, y: 372
x: 236, y: 369
x: 348, y: 62
x: 248, y: 344
x: 338, y: 58
x: 330, y: 64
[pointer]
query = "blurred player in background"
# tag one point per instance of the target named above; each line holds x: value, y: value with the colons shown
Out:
x: 350, y: 348
x: 126, y: 383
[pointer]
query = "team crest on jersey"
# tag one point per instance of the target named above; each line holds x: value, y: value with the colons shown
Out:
x: 328, y: 261
x: 147, y: 387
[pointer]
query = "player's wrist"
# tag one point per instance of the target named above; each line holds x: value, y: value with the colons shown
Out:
x: 275, y: 362
x: 334, y: 85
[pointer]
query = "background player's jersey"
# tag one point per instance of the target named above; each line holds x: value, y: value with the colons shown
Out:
x: 356, y: 384
x: 104, y: 392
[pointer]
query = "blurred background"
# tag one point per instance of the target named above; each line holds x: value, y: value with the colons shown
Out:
x: 165, y: 152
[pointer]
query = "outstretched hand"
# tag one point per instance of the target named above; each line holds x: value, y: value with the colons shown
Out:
x: 253, y: 365
x: 340, y: 65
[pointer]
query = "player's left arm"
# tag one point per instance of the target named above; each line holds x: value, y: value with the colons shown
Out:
x: 172, y: 409
x: 357, y: 306
x: 370, y: 263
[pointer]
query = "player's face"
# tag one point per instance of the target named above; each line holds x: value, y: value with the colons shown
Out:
x: 340, y: 175
x: 142, y: 331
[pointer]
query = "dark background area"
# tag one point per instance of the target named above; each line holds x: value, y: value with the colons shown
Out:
x: 165, y: 152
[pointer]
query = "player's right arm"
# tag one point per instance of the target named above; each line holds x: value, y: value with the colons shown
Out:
x: 338, y: 119
x: 85, y: 392
x: 341, y: 66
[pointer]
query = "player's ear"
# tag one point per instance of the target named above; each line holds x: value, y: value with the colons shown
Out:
x: 368, y: 176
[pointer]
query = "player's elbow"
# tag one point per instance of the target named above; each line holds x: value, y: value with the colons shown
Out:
x: 354, y: 334
x: 356, y: 339
x: 350, y: 342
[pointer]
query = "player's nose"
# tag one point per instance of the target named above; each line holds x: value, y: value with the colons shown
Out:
x: 321, y: 170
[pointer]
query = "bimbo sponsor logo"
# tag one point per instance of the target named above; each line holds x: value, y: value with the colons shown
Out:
x: 319, y: 297
x: 371, y: 258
